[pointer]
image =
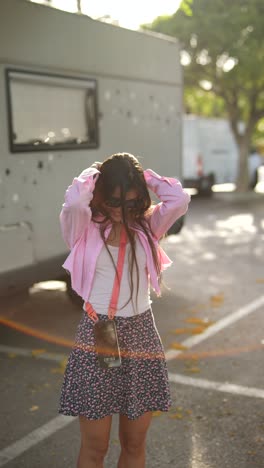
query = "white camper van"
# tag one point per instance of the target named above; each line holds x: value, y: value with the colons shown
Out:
x: 210, y: 153
x: 73, y: 91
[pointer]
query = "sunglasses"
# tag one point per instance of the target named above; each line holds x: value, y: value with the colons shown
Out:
x: 116, y: 202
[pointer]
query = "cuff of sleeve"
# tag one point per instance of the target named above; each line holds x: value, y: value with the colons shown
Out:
x: 87, y: 173
x: 149, y: 174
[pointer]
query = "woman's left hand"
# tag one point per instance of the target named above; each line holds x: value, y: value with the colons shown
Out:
x: 97, y: 165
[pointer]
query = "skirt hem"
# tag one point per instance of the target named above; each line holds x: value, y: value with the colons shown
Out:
x: 152, y: 409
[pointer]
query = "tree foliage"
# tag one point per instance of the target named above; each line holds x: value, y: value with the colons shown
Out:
x: 223, y: 48
x: 205, y: 103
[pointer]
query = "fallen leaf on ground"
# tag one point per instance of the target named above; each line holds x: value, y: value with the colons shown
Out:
x: 176, y: 416
x: 199, y: 308
x: 198, y: 321
x: 181, y: 331
x: 37, y: 352
x: 157, y: 413
x: 34, y: 408
x: 193, y: 370
x: 12, y: 355
x: 191, y: 357
x: 217, y: 300
x: 178, y: 346
x: 188, y: 363
x: 177, y: 412
x: 198, y: 330
x: 61, y: 369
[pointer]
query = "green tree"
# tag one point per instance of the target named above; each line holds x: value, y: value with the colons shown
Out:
x: 223, y: 49
x: 200, y: 102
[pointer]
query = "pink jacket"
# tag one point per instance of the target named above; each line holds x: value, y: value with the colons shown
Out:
x: 82, y: 235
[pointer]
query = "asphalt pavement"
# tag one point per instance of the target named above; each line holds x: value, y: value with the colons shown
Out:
x: 210, y: 319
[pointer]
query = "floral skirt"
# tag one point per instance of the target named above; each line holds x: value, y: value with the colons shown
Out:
x: 140, y: 384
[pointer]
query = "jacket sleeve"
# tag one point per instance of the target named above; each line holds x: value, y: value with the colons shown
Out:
x: 173, y: 204
x: 76, y: 212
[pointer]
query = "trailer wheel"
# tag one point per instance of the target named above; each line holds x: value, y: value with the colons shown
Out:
x: 73, y: 296
x: 176, y: 227
x: 254, y: 180
x: 205, y: 185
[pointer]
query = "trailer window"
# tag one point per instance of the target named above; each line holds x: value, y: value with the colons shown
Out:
x: 49, y: 112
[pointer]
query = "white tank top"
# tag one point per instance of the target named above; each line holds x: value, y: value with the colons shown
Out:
x: 104, y: 279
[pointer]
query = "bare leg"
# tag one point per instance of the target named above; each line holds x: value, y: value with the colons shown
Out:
x: 132, y: 435
x: 94, y: 441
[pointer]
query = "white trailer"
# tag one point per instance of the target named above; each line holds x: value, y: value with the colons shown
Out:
x: 210, y: 153
x: 73, y: 91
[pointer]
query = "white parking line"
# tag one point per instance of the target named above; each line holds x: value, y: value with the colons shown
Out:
x: 30, y: 353
x: 17, y: 448
x: 220, y: 325
x: 218, y: 386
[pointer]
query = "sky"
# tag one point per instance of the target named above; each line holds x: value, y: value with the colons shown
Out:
x: 129, y: 14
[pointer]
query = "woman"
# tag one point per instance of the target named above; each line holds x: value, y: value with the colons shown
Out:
x: 105, y: 200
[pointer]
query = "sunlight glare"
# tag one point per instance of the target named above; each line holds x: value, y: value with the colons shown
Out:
x: 223, y: 188
x: 240, y: 223
x: 205, y: 84
x: 67, y: 5
x: 259, y: 187
x: 185, y: 58
x: 197, y: 452
x: 48, y: 286
x: 191, y: 191
x: 129, y: 15
x: 229, y: 64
